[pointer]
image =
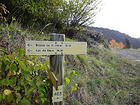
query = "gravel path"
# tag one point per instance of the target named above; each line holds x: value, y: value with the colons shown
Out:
x: 134, y: 55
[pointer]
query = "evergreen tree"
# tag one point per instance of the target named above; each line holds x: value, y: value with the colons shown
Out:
x: 128, y: 43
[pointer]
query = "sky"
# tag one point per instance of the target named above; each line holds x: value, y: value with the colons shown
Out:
x: 121, y: 15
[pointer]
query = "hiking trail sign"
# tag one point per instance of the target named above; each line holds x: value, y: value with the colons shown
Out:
x: 57, y: 47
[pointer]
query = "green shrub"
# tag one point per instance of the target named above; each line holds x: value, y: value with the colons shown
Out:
x: 61, y: 15
x: 23, y: 79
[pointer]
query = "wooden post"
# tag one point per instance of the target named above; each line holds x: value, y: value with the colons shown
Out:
x: 57, y: 63
x: 56, y: 49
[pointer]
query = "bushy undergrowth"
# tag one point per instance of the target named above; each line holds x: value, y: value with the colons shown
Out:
x: 23, y: 79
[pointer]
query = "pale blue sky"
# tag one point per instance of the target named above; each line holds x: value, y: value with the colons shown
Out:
x: 121, y: 15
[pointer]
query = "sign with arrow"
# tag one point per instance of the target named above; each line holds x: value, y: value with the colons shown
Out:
x: 57, y: 47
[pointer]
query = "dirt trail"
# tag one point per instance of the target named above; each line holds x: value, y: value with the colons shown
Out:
x: 133, y: 55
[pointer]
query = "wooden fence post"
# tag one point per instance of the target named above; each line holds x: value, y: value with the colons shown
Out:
x: 57, y: 64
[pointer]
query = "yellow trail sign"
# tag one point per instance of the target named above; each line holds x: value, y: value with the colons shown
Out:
x: 53, y: 78
x: 55, y: 48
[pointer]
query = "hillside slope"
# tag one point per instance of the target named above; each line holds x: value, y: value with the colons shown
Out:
x: 102, y: 77
x: 118, y: 36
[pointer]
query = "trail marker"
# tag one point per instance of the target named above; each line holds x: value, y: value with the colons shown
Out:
x: 53, y: 78
x: 57, y: 94
x: 56, y: 48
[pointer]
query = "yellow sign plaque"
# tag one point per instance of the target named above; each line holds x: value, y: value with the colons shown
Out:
x: 53, y: 78
x: 55, y: 48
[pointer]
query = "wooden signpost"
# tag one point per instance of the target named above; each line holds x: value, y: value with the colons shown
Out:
x: 56, y: 48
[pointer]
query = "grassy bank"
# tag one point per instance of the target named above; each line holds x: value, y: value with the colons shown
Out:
x: 105, y: 79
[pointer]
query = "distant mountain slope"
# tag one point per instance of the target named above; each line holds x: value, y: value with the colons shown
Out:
x: 118, y: 36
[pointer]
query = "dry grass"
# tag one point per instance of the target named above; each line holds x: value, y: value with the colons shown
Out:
x: 108, y: 80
